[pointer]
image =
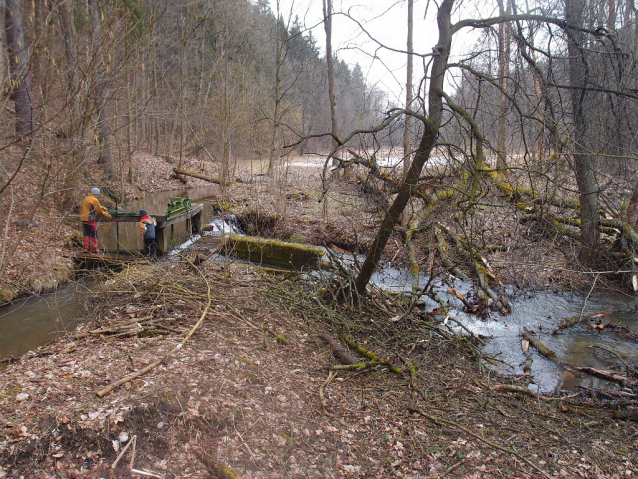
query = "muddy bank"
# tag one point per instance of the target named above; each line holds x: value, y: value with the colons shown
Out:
x: 237, y: 396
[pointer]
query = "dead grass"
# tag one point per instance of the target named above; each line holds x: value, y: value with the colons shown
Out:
x: 236, y: 396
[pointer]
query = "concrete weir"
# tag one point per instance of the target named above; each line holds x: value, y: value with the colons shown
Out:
x: 164, y: 229
x: 275, y: 252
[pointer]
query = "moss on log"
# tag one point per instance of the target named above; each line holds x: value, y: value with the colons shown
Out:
x: 540, y: 347
x: 275, y: 252
x: 370, y: 355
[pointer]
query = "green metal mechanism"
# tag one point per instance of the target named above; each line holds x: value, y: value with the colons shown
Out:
x: 178, y: 205
x: 121, y: 213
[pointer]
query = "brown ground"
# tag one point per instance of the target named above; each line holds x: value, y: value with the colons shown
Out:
x: 237, y: 396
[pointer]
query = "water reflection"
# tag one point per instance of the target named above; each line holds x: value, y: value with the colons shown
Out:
x: 34, y: 321
x: 578, y: 346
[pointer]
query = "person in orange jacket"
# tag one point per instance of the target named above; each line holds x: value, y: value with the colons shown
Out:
x: 91, y: 209
x: 147, y: 225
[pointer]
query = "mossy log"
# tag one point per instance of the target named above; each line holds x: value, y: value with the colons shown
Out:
x: 625, y: 228
x: 372, y: 166
x: 413, y: 226
x: 516, y: 389
x: 338, y: 351
x: 529, y: 195
x: 216, y: 468
x: 275, y: 252
x: 194, y: 174
x: 571, y: 321
x: 278, y: 337
x: 608, y: 375
x: 444, y: 250
x: 527, y: 365
x: 540, y: 347
x: 371, y: 356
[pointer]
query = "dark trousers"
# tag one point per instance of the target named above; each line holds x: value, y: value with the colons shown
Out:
x: 90, y: 235
x: 150, y: 248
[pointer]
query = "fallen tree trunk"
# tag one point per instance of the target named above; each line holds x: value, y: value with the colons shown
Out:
x: 608, y: 375
x: 275, y: 252
x: 194, y: 174
x: 444, y: 251
x: 371, y: 356
x: 577, y: 319
x: 540, y: 347
x: 338, y: 351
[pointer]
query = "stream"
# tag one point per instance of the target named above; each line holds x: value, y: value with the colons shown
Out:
x: 35, y: 321
x: 541, y: 312
x: 28, y: 323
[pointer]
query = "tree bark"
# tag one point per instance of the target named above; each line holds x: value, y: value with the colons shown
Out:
x: 584, y: 163
x: 632, y: 211
x: 504, y: 35
x: 275, y: 143
x: 4, y: 61
x: 101, y: 93
x: 75, y: 131
x: 3, y: 85
x: 409, y: 94
x: 426, y: 144
x: 19, y: 67
x: 194, y: 174
x: 327, y: 24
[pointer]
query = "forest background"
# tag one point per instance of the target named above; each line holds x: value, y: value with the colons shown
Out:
x: 517, y: 167
x: 539, y: 111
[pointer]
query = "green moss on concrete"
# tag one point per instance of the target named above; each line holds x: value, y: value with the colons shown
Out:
x: 274, y: 252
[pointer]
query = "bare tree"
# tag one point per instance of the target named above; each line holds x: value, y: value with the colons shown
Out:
x: 327, y: 24
x: 431, y: 124
x: 280, y: 56
x: 101, y: 92
x: 503, y: 63
x: 583, y: 161
x: 19, y: 66
x: 409, y: 94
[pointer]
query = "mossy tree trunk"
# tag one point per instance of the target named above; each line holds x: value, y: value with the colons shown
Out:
x: 426, y: 144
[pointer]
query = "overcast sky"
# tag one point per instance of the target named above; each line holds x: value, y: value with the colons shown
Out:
x: 386, y: 21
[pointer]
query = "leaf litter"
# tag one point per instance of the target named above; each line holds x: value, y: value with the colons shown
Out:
x: 235, y: 399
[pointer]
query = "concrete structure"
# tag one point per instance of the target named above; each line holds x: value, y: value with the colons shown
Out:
x: 164, y: 229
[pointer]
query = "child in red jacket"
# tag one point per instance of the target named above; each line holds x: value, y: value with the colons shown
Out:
x: 147, y: 225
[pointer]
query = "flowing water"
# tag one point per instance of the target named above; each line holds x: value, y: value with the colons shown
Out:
x: 32, y: 322
x: 541, y: 312
x: 29, y: 323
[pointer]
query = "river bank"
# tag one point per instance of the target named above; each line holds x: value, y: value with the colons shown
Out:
x: 248, y: 392
x: 243, y: 394
x: 40, y: 240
